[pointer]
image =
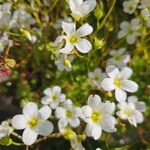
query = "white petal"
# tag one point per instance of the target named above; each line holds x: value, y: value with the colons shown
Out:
x: 120, y: 95
x: 124, y: 25
x: 19, y: 122
x: 86, y: 113
x: 108, y: 107
x: 74, y: 122
x: 121, y: 34
x: 132, y: 121
x: 126, y: 72
x: 90, y: 4
x: 62, y: 124
x: 84, y: 30
x: 67, y: 49
x: 56, y: 90
x: 59, y: 39
x: 132, y: 99
x: 108, y: 123
x: 94, y: 130
x: 54, y: 104
x: 62, y: 97
x: 30, y: 109
x: 75, y: 2
x: 135, y: 24
x: 77, y: 112
x: 108, y: 84
x: 60, y: 112
x: 68, y: 28
x: 94, y: 101
x: 138, y: 116
x: 29, y: 136
x: 130, y: 86
x: 83, y: 45
x: 48, y: 91
x: 45, y: 128
x: 112, y: 71
x: 131, y: 39
x: 141, y: 106
x: 45, y: 112
x: 45, y: 100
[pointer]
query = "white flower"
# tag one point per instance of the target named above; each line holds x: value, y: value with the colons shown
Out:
x: 81, y: 8
x: 131, y: 111
x: 34, y: 122
x: 118, y: 81
x: 5, y: 14
x: 139, y: 105
x: 119, y: 58
x: 130, y: 30
x: 96, y: 77
x: 129, y: 6
x: 64, y: 63
x: 68, y: 114
x: 53, y: 97
x: 74, y: 38
x: 98, y: 117
x: 5, y: 129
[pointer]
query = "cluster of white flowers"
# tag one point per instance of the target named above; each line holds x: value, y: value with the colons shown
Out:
x: 131, y: 30
x: 21, y: 19
x: 17, y: 19
x: 98, y: 115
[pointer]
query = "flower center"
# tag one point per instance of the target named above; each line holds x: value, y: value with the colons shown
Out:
x: 128, y: 112
x: 54, y: 97
x: 69, y: 114
x: 97, y: 78
x: 118, y: 82
x: 67, y: 63
x: 69, y: 134
x: 130, y: 8
x: 96, y: 116
x: 33, y: 122
x: 118, y: 57
x: 73, y: 39
x: 130, y: 31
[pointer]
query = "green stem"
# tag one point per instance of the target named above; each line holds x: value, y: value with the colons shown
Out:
x: 17, y: 144
x: 107, y: 15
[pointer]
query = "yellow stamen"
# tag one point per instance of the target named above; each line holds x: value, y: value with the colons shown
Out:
x: 118, y: 82
x: 128, y: 112
x: 73, y: 39
x: 69, y: 114
x: 33, y: 122
x: 96, y: 116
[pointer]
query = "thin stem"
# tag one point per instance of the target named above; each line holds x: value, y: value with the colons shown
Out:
x: 27, y: 147
x: 16, y: 135
x: 54, y: 135
x: 107, y: 15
